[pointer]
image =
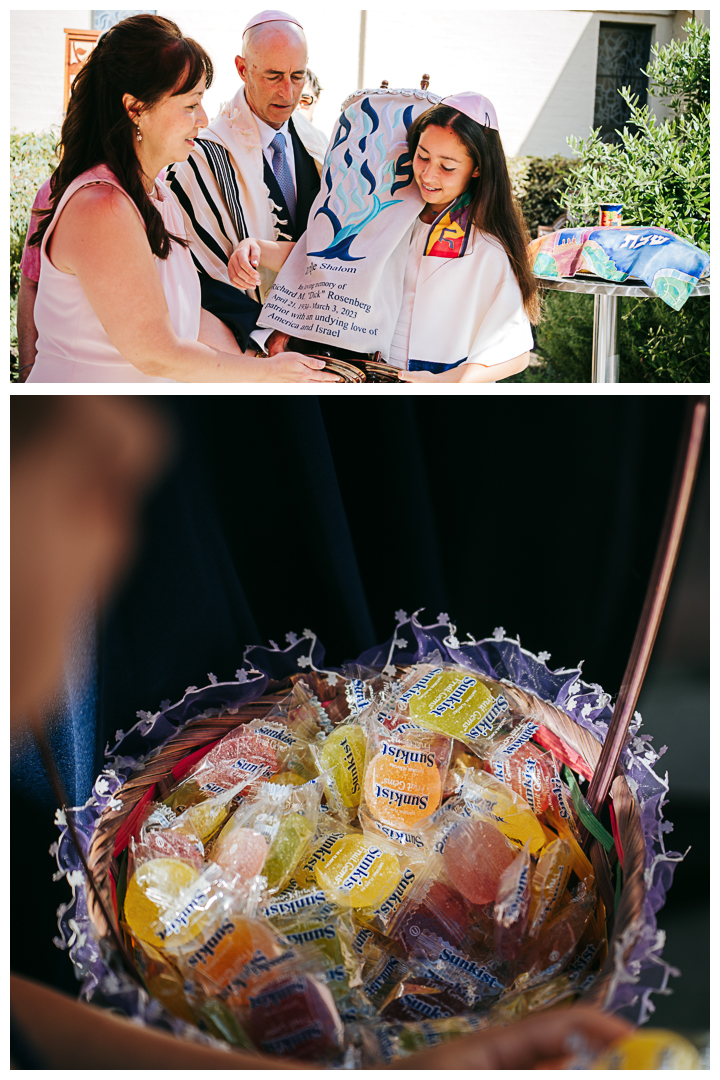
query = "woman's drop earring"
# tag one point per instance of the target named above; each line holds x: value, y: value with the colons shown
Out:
x: 139, y: 136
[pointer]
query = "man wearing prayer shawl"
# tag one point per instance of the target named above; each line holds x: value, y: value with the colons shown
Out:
x: 254, y: 172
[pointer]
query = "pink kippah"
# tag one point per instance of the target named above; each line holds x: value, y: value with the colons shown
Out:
x: 477, y: 107
x: 271, y: 16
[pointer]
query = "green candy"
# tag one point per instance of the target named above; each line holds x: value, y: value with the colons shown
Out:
x: 286, y: 849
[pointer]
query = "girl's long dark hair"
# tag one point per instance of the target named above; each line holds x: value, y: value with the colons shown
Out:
x: 493, y: 209
x: 145, y: 56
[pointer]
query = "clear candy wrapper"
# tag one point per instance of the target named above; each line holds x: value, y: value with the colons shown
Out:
x: 404, y: 775
x: 289, y: 1011
x: 287, y: 818
x: 454, y: 701
x: 512, y: 906
x: 341, y: 755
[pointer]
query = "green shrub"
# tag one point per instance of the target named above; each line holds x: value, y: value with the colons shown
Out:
x: 661, y: 174
x: 32, y: 160
x: 655, y: 343
x: 13, y: 340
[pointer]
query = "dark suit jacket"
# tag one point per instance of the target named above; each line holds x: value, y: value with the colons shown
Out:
x: 307, y: 185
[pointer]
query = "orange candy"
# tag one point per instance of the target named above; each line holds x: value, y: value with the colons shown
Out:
x: 225, y: 952
x: 402, y: 785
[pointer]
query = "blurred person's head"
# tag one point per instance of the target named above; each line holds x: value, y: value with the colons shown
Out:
x: 310, y: 95
x: 78, y: 469
x: 273, y: 66
x: 143, y: 67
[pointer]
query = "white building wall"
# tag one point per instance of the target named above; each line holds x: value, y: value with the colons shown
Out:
x: 37, y: 65
x: 538, y: 67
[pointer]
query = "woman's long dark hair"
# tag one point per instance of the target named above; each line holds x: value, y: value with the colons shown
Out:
x: 493, y: 209
x: 145, y: 56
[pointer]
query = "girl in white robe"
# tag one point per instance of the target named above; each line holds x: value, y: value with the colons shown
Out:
x: 468, y: 293
x: 469, y: 296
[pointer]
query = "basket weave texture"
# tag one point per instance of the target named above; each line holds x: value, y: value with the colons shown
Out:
x: 574, y: 711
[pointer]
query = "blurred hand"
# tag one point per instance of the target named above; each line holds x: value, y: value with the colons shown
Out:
x: 542, y: 1041
x: 417, y: 376
x: 242, y: 267
x: 295, y: 367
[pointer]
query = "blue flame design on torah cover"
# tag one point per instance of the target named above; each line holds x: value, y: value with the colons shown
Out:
x: 368, y: 168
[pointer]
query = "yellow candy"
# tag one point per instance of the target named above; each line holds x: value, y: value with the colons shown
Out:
x: 548, y: 884
x: 164, y: 880
x: 650, y: 1049
x: 509, y: 813
x: 455, y: 702
x: 357, y: 873
x: 287, y: 778
x: 343, y: 755
x: 202, y: 820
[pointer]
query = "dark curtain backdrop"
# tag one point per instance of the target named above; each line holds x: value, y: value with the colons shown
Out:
x: 539, y: 514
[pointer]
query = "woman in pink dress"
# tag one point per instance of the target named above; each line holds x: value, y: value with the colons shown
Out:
x: 118, y: 297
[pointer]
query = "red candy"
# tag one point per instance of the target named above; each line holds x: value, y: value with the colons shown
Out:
x: 476, y: 854
x: 294, y: 1016
x: 441, y: 913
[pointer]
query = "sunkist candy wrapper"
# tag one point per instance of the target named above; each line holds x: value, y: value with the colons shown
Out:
x: 288, y: 1011
x: 429, y: 905
x: 549, y: 882
x: 486, y: 796
x: 476, y: 877
x: 358, y: 872
x: 512, y: 905
x: 342, y: 756
x: 216, y: 958
x: 287, y: 817
x: 522, y: 766
x: 648, y: 1049
x: 155, y: 888
x: 404, y: 775
x: 240, y: 759
x: 454, y: 701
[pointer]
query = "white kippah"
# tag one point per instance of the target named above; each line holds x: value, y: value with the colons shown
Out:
x: 271, y: 16
x: 476, y: 106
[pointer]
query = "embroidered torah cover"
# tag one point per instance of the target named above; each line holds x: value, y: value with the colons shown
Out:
x: 342, y: 283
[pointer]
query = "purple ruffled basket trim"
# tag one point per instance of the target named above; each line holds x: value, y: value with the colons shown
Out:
x: 501, y: 657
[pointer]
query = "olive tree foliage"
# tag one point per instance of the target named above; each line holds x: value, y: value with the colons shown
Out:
x: 659, y: 171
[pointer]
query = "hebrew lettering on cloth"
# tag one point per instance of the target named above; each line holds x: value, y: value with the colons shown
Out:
x: 668, y: 265
x: 342, y: 283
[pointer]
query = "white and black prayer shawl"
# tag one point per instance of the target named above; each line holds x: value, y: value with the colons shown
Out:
x: 342, y: 282
x: 222, y: 190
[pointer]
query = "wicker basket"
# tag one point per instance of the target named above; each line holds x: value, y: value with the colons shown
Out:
x: 117, y: 822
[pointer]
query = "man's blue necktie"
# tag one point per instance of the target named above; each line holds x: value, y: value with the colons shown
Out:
x: 283, y: 174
